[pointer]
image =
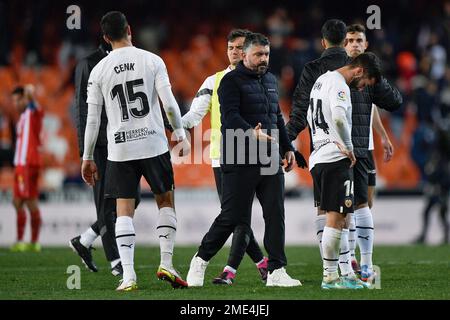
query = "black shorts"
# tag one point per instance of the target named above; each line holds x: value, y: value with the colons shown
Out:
x: 372, y: 170
x: 333, y: 186
x: 123, y: 178
x: 364, y: 175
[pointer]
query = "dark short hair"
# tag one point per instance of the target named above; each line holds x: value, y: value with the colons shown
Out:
x: 255, y: 38
x: 334, y: 31
x: 356, y: 27
x: 18, y: 90
x: 370, y: 63
x: 237, y: 33
x: 114, y: 25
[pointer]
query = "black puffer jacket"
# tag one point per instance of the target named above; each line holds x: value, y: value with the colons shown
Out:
x: 247, y: 99
x: 330, y: 60
x: 82, y: 72
x: 383, y: 95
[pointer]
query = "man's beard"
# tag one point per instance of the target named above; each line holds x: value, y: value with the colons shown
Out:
x: 261, y: 68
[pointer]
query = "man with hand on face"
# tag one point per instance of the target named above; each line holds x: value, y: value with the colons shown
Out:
x: 360, y: 226
x: 330, y: 120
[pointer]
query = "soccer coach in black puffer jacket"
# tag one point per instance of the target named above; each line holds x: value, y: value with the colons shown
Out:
x: 248, y: 99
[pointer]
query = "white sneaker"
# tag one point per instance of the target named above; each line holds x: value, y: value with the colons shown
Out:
x: 196, y: 274
x: 129, y: 285
x: 279, y: 278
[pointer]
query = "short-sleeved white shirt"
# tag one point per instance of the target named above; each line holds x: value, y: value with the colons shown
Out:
x: 329, y: 91
x: 126, y: 80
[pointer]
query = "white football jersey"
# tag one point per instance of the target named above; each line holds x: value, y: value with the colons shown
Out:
x: 329, y: 91
x: 126, y: 80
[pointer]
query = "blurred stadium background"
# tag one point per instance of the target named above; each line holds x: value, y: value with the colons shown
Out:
x: 36, y: 47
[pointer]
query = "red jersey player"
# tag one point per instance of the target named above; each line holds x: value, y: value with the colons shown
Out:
x: 27, y: 164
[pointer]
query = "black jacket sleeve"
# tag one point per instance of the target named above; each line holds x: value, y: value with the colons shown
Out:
x: 230, y: 101
x: 297, y: 118
x: 386, y: 96
x: 81, y: 107
x: 285, y: 143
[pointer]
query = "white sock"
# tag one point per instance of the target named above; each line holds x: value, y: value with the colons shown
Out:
x: 364, y: 231
x: 352, y: 236
x: 166, y: 230
x: 126, y: 240
x: 320, y: 224
x: 331, y: 240
x: 345, y: 263
x: 88, y: 237
x: 230, y: 269
x: 114, y: 263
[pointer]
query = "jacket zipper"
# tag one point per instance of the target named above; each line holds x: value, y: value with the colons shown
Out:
x: 265, y: 94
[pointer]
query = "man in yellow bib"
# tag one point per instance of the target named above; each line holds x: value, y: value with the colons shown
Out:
x: 206, y: 100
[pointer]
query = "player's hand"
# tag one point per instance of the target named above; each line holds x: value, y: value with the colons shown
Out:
x: 388, y: 149
x: 89, y: 172
x: 290, y: 159
x: 301, y: 161
x: 29, y: 92
x: 260, y: 135
x: 348, y: 153
x: 185, y: 147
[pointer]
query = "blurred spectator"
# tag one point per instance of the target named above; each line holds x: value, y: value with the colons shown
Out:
x: 7, y: 139
x: 421, y: 147
x: 279, y: 23
x: 438, y: 58
x: 437, y: 172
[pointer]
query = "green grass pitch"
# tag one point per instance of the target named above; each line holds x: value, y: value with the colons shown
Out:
x: 407, y: 272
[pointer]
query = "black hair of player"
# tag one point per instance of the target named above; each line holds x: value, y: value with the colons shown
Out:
x: 370, y: 63
x: 334, y: 31
x: 356, y: 27
x: 114, y: 25
x: 238, y: 33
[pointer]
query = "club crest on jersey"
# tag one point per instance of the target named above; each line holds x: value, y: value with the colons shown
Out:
x: 342, y: 96
x: 348, y: 203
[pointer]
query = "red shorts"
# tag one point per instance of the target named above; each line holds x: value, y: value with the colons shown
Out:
x: 26, y: 182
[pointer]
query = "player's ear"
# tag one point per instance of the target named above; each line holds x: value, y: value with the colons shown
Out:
x: 244, y: 54
x: 129, y: 36
x: 359, y: 72
x: 345, y: 42
x: 106, y: 39
x: 367, y: 45
x: 323, y: 43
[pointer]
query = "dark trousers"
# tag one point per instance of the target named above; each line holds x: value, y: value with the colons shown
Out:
x: 439, y: 197
x: 240, y: 244
x: 106, y: 208
x: 239, y: 186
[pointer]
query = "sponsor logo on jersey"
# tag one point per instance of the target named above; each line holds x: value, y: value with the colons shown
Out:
x: 119, y: 137
x: 320, y: 143
x: 133, y: 135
